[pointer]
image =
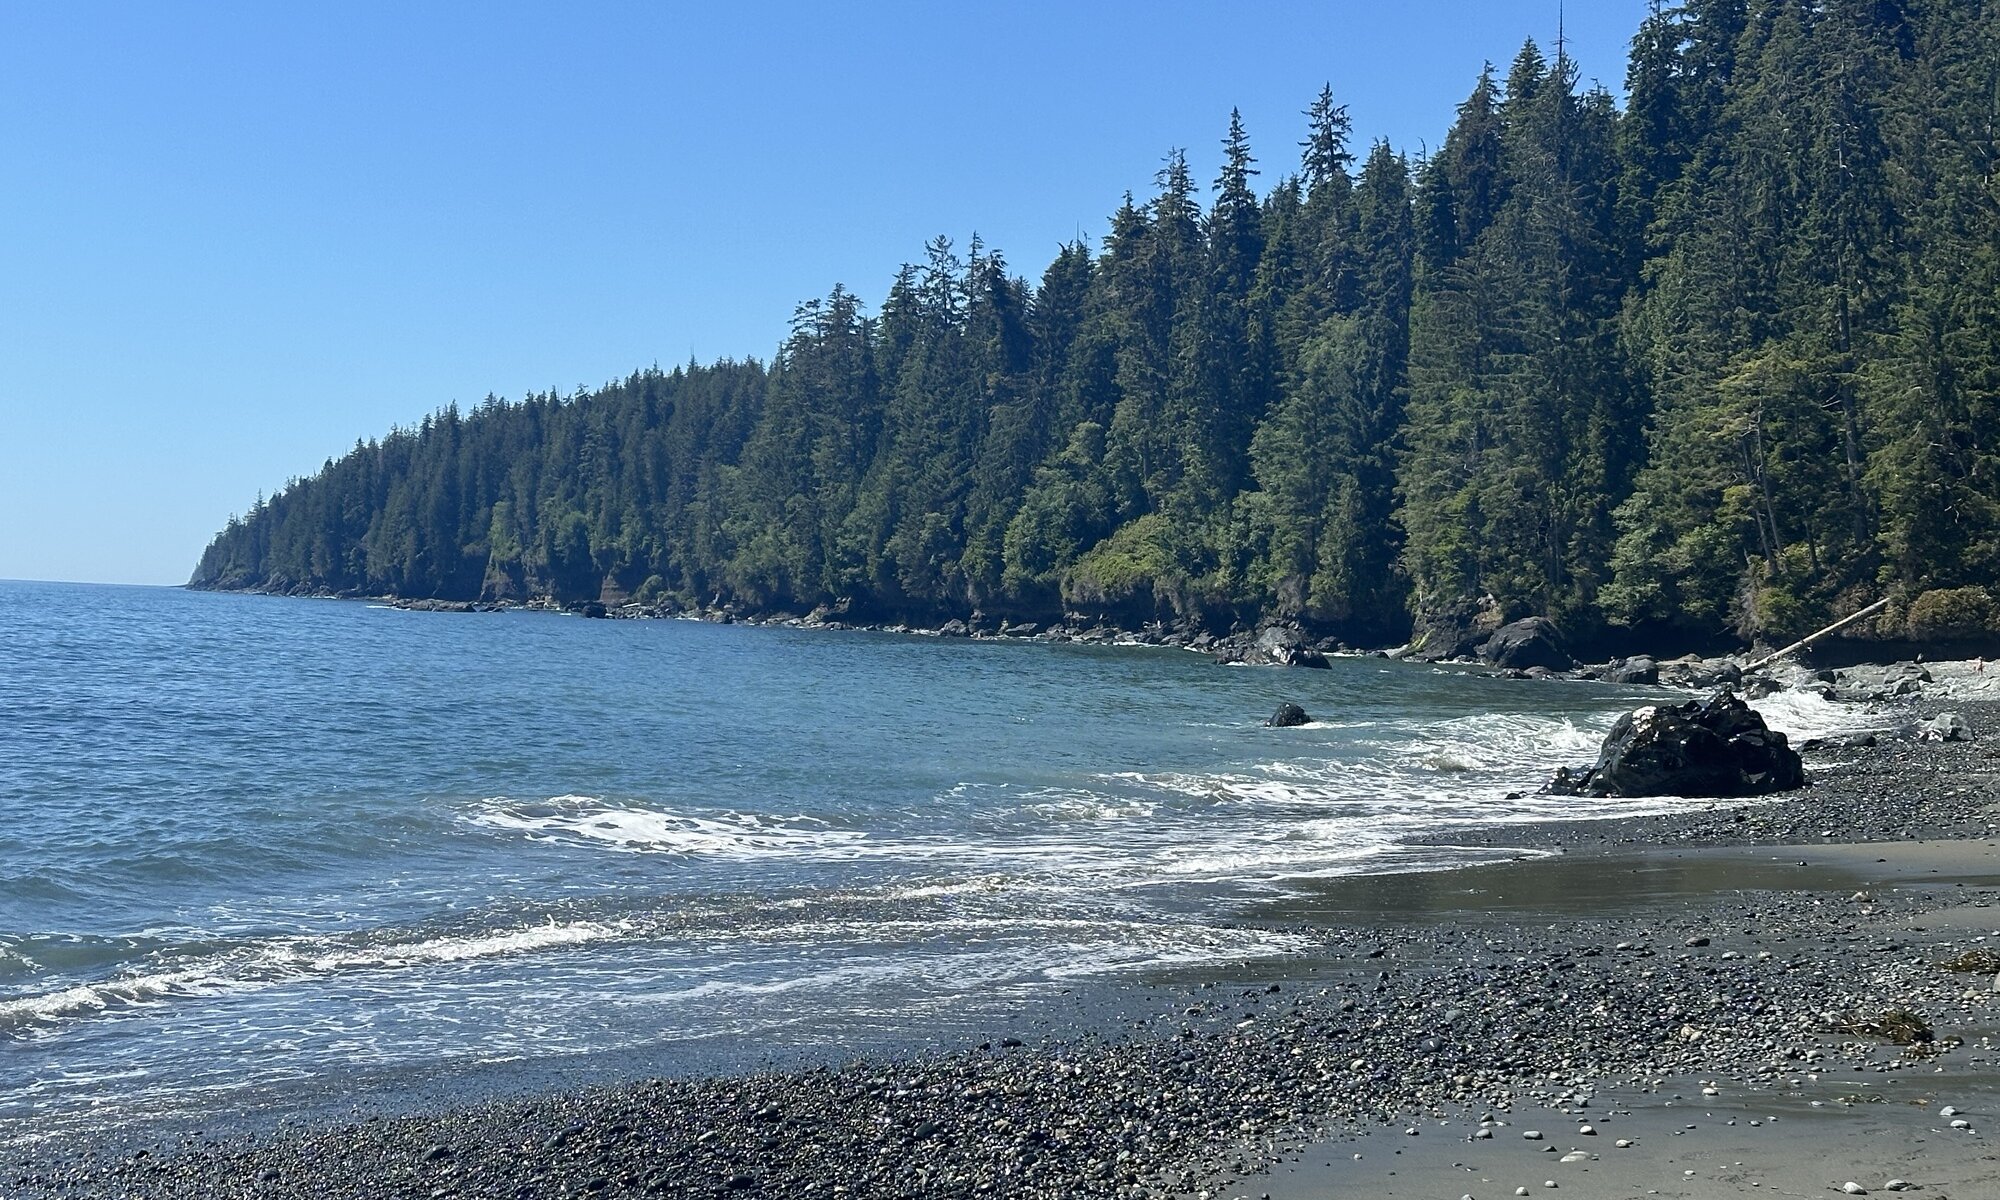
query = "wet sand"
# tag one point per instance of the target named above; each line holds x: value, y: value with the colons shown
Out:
x: 1876, y: 1118
x: 1681, y: 1145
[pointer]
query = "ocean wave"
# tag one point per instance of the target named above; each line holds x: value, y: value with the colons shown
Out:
x: 979, y: 885
x: 464, y: 948
x: 1182, y: 946
x: 1800, y: 715
x: 275, y: 962
x: 1180, y: 783
x: 1508, y: 740
x: 1043, y: 949
x: 1089, y: 806
x: 1351, y: 806
x: 83, y: 999
x: 637, y: 829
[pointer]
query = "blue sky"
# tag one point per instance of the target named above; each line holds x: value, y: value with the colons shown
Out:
x: 236, y: 237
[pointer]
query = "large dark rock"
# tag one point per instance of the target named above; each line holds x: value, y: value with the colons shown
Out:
x: 1452, y: 630
x: 1529, y: 642
x: 1700, y: 674
x: 1274, y: 646
x: 1287, y: 716
x: 1717, y: 746
x: 1639, y: 669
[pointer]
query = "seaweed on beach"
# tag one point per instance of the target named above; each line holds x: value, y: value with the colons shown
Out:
x: 1897, y: 1026
x: 1982, y: 962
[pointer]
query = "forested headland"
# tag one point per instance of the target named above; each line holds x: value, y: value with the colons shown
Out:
x: 1723, y: 361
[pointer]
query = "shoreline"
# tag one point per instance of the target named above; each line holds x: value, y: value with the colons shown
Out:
x: 1855, y: 669
x: 1235, y: 645
x: 1427, y: 994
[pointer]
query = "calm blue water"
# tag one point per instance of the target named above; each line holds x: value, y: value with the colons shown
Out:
x: 250, y: 845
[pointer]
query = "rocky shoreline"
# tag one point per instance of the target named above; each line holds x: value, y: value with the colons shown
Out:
x: 1405, y: 1012
x: 1532, y: 648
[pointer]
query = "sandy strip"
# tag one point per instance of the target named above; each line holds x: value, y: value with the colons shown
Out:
x: 1881, y: 1122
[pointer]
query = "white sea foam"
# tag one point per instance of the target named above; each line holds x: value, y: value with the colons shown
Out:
x: 1088, y: 806
x: 981, y: 885
x: 1511, y: 739
x: 1181, y: 945
x: 637, y: 829
x: 1351, y: 808
x: 264, y: 964
x: 1800, y: 715
x: 464, y: 948
x: 88, y: 998
x: 1273, y: 856
x: 1062, y: 949
x: 1963, y: 680
x: 1200, y: 787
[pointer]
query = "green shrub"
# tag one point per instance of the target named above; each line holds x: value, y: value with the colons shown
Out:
x: 1119, y: 566
x: 1782, y: 614
x: 1948, y: 613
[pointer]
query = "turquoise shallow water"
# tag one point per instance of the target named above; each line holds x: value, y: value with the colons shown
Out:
x: 252, y: 844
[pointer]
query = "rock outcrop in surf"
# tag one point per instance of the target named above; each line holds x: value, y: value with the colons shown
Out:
x: 1273, y: 646
x: 1288, y: 716
x: 1717, y: 746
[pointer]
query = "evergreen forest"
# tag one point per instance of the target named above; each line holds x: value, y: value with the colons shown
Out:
x: 1722, y: 361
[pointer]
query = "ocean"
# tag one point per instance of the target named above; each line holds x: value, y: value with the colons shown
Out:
x: 260, y: 855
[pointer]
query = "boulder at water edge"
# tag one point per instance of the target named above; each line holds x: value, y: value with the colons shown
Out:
x: 1530, y: 642
x: 1700, y: 673
x: 1639, y: 669
x: 1718, y: 746
x: 1274, y: 646
x: 1287, y: 716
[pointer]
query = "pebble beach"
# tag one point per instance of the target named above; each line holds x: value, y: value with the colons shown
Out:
x: 1757, y: 997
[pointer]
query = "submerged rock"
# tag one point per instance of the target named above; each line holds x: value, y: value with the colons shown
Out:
x: 1716, y: 746
x: 1287, y: 716
x: 1525, y: 644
